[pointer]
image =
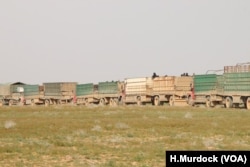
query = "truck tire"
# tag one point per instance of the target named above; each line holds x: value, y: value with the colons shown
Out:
x: 229, y: 102
x: 46, y: 102
x: 10, y: 102
x: 32, y: 102
x: 248, y: 103
x: 156, y: 101
x: 111, y: 101
x: 138, y: 100
x: 115, y: 101
x: 2, y: 102
x: 102, y: 102
x: 86, y: 101
x: 58, y: 101
x: 208, y: 102
x: 171, y: 101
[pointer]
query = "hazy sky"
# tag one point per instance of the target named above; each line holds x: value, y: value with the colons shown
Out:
x: 102, y: 40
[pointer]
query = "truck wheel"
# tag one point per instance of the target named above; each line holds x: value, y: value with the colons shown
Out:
x: 156, y: 101
x: 58, y: 101
x: 138, y: 100
x: 248, y: 103
x: 171, y: 101
x: 102, y: 102
x: 2, y: 102
x: 208, y: 102
x: 229, y: 102
x: 10, y: 102
x: 86, y: 101
x: 32, y: 102
x: 115, y: 101
x: 47, y: 102
x: 111, y: 102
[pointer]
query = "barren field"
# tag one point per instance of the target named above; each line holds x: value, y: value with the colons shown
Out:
x: 120, y: 136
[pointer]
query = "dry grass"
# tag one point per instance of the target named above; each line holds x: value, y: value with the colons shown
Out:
x: 115, y: 136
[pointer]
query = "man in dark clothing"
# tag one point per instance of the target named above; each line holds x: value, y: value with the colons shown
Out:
x: 154, y: 75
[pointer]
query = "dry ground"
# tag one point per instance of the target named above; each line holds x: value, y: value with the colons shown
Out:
x: 115, y: 136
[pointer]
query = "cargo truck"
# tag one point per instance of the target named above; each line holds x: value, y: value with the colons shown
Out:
x: 86, y: 93
x: 138, y: 90
x: 237, y: 85
x: 12, y: 94
x: 173, y: 90
x: 110, y: 93
x: 34, y: 94
x: 158, y: 90
x: 209, y: 89
x: 103, y: 93
x: 59, y: 92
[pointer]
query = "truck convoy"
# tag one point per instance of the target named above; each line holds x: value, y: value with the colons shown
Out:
x: 230, y: 88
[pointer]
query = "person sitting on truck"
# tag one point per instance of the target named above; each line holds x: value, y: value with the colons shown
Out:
x: 184, y: 74
x: 154, y: 75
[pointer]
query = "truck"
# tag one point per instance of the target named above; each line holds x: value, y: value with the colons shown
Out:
x: 209, y: 89
x: 103, y: 93
x: 231, y: 89
x: 86, y: 93
x: 237, y: 85
x: 12, y: 94
x: 138, y: 90
x: 59, y: 93
x: 34, y: 94
x: 174, y: 90
x: 110, y: 93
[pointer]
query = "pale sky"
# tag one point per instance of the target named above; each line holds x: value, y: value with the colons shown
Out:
x: 103, y: 40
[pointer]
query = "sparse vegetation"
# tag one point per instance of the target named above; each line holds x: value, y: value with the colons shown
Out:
x: 115, y: 136
x: 9, y: 124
